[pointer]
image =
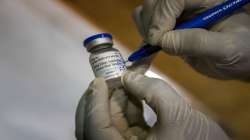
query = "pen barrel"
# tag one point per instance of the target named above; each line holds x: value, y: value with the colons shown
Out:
x: 214, y: 14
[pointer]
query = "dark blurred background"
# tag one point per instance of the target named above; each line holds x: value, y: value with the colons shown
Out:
x: 230, y: 100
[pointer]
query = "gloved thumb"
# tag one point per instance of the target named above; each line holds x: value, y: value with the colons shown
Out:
x: 98, y: 124
x: 194, y: 42
x: 174, y: 115
x: 158, y: 95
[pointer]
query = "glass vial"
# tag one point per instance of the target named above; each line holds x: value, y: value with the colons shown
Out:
x: 106, y: 61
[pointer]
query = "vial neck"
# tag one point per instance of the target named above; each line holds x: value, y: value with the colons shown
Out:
x: 100, y: 48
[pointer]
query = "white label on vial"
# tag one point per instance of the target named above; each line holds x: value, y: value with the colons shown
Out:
x: 108, y: 64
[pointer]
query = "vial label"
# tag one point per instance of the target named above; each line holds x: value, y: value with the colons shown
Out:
x: 108, y: 65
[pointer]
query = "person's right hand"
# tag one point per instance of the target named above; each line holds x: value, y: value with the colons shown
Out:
x: 221, y: 52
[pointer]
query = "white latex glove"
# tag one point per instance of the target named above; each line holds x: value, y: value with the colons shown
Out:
x: 104, y: 114
x: 221, y: 52
x: 176, y: 119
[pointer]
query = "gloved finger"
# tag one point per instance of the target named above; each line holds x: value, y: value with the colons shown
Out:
x: 164, y: 14
x: 118, y: 105
x: 137, y: 17
x: 98, y: 123
x: 124, y: 114
x: 195, y: 42
x: 161, y: 97
x: 80, y: 117
x: 125, y: 111
x: 138, y: 133
x: 147, y: 13
x: 163, y: 18
x: 236, y: 23
x: 138, y: 20
x: 142, y: 65
x: 206, y: 67
x: 134, y: 113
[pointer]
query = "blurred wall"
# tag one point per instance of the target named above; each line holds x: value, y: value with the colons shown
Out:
x: 44, y: 69
x: 228, y: 99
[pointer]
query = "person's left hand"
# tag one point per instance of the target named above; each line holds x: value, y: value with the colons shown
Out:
x: 104, y: 114
x: 118, y: 118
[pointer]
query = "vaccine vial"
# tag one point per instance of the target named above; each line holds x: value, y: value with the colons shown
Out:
x: 106, y: 61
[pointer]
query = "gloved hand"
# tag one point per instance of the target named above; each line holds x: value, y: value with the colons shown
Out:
x: 107, y: 114
x: 176, y: 119
x: 221, y: 52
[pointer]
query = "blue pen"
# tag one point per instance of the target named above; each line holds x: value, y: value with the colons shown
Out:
x: 203, y: 20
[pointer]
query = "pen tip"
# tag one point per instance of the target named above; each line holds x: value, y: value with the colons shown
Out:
x: 128, y: 63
